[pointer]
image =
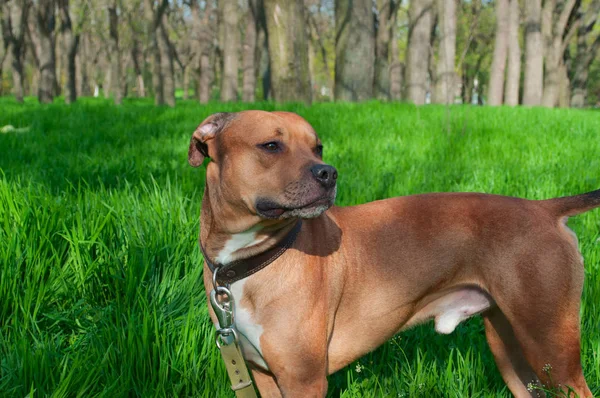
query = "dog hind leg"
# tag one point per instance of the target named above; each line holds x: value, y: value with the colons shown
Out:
x: 552, y: 349
x: 547, y: 327
x: 513, y: 366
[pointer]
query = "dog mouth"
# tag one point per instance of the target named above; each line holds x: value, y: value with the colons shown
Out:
x: 268, y: 208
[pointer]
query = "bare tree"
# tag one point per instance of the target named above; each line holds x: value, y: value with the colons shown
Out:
x: 396, y: 69
x: 204, y: 22
x: 564, y: 85
x: 46, y: 23
x: 136, y: 52
x: 167, y: 58
x: 534, y: 54
x: 135, y: 57
x: 317, y: 36
x: 14, y: 29
x: 115, y: 52
x: 264, y: 62
x: 420, y: 16
x: 288, y: 50
x: 555, y: 21
x: 513, y: 75
x: 250, y: 50
x: 386, y: 18
x: 154, y: 17
x: 500, y: 50
x: 354, y: 50
x: 230, y: 43
x: 3, y: 55
x: 445, y: 77
x: 71, y: 36
x: 587, y: 48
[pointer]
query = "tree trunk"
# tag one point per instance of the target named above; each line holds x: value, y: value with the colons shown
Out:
x: 467, y: 87
x: 355, y: 50
x: 115, y: 53
x: 71, y: 41
x: 513, y: 75
x: 157, y: 76
x: 46, y: 21
x: 420, y: 15
x: 265, y: 66
x: 249, y: 62
x: 500, y: 51
x: 316, y: 40
x: 81, y: 78
x: 33, y: 44
x: 228, y: 18
x: 107, y: 84
x: 205, y: 78
x: 186, y: 81
x: 385, y: 22
x: 71, y: 93
x: 586, y: 52
x: 203, y: 35
x: 135, y: 53
x: 554, y: 53
x: 166, y: 64
x: 153, y: 19
x: 396, y: 69
x: 2, y: 59
x: 288, y: 50
x: 311, y: 68
x: 17, y: 53
x: 534, y: 54
x: 59, y: 57
x: 564, y: 93
x: 445, y: 76
x: 580, y: 75
x: 14, y: 28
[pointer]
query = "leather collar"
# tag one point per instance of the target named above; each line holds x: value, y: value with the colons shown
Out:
x: 243, y: 268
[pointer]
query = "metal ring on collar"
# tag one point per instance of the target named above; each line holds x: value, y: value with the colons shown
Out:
x: 214, y: 278
x: 224, y: 333
x: 221, y: 290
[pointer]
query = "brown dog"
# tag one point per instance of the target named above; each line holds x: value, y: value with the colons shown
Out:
x: 353, y: 277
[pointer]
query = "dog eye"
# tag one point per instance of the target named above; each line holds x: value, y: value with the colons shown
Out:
x: 272, y: 146
x: 319, y: 150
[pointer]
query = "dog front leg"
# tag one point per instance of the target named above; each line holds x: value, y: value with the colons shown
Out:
x: 299, y: 371
x: 293, y: 386
x: 266, y: 384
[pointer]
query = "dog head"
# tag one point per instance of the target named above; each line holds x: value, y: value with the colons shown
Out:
x: 267, y: 163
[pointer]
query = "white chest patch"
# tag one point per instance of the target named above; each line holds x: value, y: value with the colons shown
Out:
x: 235, y: 243
x: 249, y: 330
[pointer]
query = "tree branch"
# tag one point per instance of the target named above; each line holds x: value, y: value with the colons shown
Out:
x: 570, y: 33
x: 564, y: 16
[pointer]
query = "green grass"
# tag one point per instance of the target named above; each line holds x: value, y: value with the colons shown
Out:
x: 101, y: 289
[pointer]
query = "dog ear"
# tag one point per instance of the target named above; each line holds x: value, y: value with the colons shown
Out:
x: 206, y: 131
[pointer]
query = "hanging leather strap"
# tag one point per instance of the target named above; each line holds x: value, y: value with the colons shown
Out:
x: 238, y: 372
x: 228, y: 342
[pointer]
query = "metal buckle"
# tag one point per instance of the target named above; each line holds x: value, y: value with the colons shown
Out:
x: 223, y: 308
x: 223, y: 334
x: 222, y: 304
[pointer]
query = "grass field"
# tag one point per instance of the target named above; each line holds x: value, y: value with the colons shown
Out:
x: 100, y: 286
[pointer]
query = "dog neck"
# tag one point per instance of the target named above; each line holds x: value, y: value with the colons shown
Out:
x: 243, y: 236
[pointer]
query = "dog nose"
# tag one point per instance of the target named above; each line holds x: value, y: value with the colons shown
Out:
x: 325, y: 174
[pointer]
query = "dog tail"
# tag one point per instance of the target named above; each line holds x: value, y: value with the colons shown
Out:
x: 573, y: 205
